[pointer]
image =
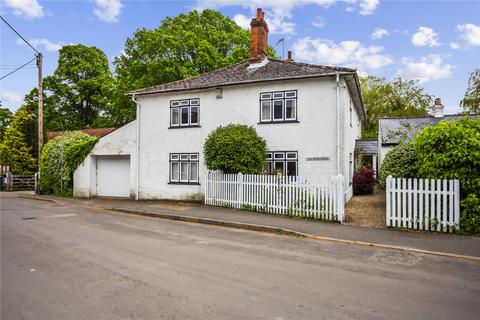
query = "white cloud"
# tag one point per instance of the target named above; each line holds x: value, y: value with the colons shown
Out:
x: 318, y: 22
x: 28, y: 9
x: 346, y: 53
x: 242, y: 21
x: 425, y: 37
x: 47, y: 44
x: 427, y: 68
x: 470, y: 32
x: 454, y: 45
x: 8, y: 97
x: 108, y: 10
x: 368, y: 6
x: 279, y: 12
x: 379, y: 33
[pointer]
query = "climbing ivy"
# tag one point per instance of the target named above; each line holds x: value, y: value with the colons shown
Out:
x: 59, y: 160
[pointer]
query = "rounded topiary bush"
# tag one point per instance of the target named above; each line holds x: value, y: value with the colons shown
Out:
x: 451, y: 150
x: 400, y: 162
x: 235, y: 148
x: 60, y: 157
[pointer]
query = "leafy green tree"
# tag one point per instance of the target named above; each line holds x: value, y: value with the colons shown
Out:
x: 14, y: 149
x: 391, y: 99
x: 78, y: 92
x: 235, y: 148
x: 181, y: 47
x: 451, y: 150
x: 471, y: 101
x: 5, y: 117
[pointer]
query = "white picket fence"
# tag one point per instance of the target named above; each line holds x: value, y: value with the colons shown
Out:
x: 426, y: 204
x: 308, y: 197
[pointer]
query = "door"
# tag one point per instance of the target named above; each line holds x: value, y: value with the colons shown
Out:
x: 113, y: 176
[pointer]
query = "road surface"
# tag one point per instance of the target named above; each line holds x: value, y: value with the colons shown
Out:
x: 66, y: 263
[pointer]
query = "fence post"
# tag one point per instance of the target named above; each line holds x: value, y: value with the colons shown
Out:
x: 340, y: 198
x: 457, y: 203
x: 388, y: 183
x: 9, y: 181
x: 240, y: 190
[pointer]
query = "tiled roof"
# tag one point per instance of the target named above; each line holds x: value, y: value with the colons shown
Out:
x: 94, y: 132
x: 367, y: 147
x: 389, y: 127
x: 241, y: 73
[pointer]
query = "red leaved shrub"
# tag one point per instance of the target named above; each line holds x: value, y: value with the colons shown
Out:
x: 364, y: 180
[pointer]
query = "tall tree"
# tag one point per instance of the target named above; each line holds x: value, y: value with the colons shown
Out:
x: 5, y: 117
x: 396, y: 98
x: 14, y: 148
x: 181, y: 47
x: 78, y: 92
x: 471, y: 101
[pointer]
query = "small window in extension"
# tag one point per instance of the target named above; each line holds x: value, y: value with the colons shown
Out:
x: 184, y: 113
x: 278, y: 106
x: 184, y: 167
x: 284, y: 162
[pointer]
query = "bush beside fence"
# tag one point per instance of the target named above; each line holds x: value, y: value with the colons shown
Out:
x: 307, y: 197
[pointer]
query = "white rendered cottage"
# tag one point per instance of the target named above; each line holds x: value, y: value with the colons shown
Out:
x: 309, y: 115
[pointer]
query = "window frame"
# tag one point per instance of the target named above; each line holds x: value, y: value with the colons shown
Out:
x: 180, y: 159
x: 274, y: 157
x: 275, y: 96
x: 182, y: 104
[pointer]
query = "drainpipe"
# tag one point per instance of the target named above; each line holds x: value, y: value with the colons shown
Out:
x: 338, y: 122
x: 137, y: 175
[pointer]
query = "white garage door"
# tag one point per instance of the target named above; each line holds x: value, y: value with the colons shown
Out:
x: 113, y: 176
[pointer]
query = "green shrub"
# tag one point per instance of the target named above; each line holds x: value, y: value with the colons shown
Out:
x: 400, y: 162
x: 60, y: 157
x: 451, y: 150
x: 235, y: 148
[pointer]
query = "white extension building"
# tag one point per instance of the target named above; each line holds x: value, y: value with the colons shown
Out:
x: 309, y: 115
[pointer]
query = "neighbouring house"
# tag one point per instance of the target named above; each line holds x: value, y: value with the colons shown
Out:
x: 310, y: 116
x: 392, y: 131
x: 93, y: 132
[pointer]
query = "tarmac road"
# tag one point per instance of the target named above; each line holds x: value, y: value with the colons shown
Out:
x: 69, y: 262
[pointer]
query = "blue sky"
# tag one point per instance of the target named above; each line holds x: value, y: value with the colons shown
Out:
x: 436, y: 42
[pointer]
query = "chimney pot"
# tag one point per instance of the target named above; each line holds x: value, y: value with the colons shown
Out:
x: 259, y: 13
x: 438, y: 108
x: 289, y: 54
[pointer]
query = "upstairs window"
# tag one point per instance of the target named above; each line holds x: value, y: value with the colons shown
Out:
x: 184, y: 113
x: 284, y: 162
x: 278, y: 106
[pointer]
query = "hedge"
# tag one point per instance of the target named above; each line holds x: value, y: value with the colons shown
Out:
x: 400, y: 162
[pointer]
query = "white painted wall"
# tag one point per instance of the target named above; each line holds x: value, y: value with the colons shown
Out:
x: 121, y: 142
x: 315, y: 135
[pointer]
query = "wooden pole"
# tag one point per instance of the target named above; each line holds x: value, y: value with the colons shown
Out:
x: 40, y: 107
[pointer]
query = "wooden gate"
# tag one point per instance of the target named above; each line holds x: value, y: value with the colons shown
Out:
x: 20, y: 183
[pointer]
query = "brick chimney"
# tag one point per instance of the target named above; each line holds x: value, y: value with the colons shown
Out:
x: 258, y: 37
x: 438, y: 108
x: 289, y: 54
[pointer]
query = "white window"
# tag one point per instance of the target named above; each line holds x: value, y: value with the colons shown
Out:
x: 282, y: 162
x: 279, y: 106
x: 266, y: 110
x: 184, y: 113
x: 184, y: 168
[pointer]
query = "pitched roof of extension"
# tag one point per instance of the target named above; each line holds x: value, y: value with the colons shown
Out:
x: 241, y: 73
x: 93, y: 132
x: 389, y: 128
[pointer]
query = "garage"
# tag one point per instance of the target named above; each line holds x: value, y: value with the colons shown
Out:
x: 113, y: 176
